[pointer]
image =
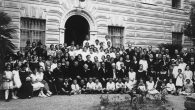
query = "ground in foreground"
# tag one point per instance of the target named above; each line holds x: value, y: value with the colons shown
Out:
x: 77, y: 102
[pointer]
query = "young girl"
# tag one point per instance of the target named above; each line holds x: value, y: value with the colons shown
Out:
x: 16, y: 81
x: 151, y: 86
x: 132, y: 74
x: 7, y: 82
x: 170, y: 87
x: 142, y: 88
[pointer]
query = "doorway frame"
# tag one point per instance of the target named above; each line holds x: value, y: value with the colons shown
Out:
x: 80, y: 12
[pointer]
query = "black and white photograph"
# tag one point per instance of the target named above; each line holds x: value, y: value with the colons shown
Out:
x: 97, y: 54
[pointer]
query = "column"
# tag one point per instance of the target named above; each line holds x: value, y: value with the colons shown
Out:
x: 93, y: 36
x: 61, y: 35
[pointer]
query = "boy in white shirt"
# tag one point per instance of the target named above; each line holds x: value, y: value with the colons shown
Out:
x: 98, y: 87
x: 129, y: 85
x: 171, y: 87
x: 90, y: 86
x: 120, y: 87
x: 75, y: 88
x: 110, y: 86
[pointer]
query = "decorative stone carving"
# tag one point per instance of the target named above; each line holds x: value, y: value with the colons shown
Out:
x: 33, y: 11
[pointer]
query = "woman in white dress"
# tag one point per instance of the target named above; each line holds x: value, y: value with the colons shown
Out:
x: 40, y: 76
x: 37, y: 85
x: 16, y: 81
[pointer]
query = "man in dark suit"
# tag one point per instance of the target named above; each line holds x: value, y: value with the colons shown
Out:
x: 85, y: 73
x: 89, y: 62
x: 104, y: 74
x: 59, y: 78
x: 48, y: 77
x: 122, y: 73
x: 130, y: 51
x: 75, y: 70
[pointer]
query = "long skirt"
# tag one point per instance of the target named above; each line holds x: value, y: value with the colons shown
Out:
x: 25, y: 91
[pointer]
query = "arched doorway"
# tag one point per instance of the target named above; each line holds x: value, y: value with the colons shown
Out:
x: 76, y: 29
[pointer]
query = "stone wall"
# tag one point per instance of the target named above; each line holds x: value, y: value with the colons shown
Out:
x: 145, y: 24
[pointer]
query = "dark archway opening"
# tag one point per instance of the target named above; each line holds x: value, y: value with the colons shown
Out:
x: 76, y: 29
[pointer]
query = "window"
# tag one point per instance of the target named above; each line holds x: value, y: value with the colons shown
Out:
x: 33, y: 30
x: 177, y: 38
x: 116, y: 34
x: 176, y: 4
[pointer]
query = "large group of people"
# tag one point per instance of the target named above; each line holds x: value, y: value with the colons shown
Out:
x: 96, y: 68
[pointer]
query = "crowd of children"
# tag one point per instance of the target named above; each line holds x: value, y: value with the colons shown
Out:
x: 96, y: 68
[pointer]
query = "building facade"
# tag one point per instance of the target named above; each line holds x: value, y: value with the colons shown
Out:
x: 139, y: 22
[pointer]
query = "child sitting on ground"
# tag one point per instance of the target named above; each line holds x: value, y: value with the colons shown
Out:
x: 110, y: 86
x: 67, y: 87
x: 170, y: 87
x: 129, y: 85
x: 141, y: 89
x: 120, y: 87
x: 82, y: 86
x: 75, y: 88
x: 90, y: 86
x: 151, y: 87
x: 163, y: 88
x: 188, y: 88
x: 98, y: 87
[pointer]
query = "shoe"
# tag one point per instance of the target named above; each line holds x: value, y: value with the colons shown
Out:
x: 44, y: 96
x: 7, y: 100
x: 50, y: 92
x: 48, y: 95
x: 14, y: 97
x: 29, y: 97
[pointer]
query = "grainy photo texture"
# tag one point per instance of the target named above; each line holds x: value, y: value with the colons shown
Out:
x: 97, y: 54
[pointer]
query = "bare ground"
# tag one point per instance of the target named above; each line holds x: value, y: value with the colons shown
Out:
x: 77, y: 102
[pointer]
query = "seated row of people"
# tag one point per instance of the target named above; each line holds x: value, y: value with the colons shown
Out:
x: 24, y: 83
